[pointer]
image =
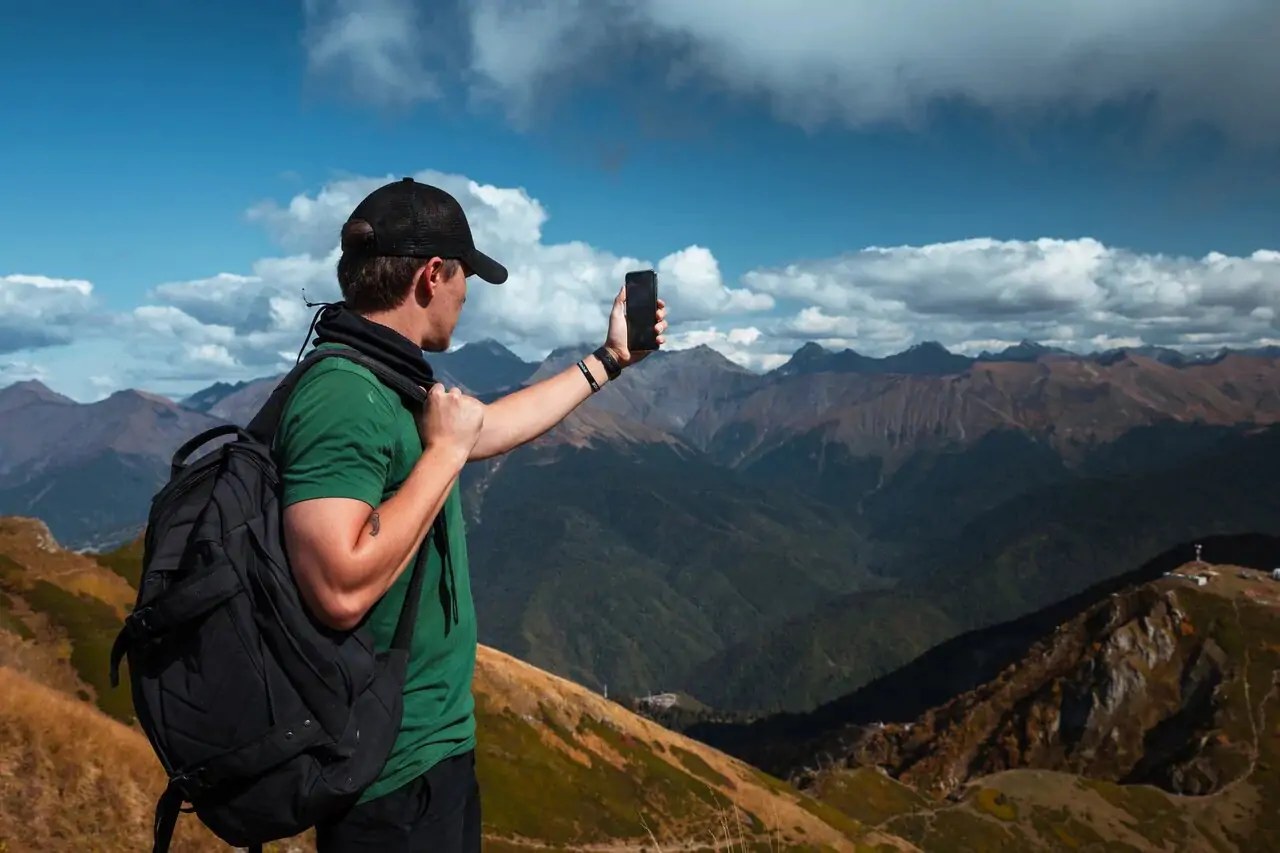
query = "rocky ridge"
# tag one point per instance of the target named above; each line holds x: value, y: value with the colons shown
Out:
x: 1146, y: 722
x: 1086, y: 700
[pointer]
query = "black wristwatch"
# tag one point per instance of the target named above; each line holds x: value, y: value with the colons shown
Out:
x: 611, y: 366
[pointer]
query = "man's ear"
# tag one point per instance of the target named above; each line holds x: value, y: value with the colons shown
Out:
x: 424, y: 285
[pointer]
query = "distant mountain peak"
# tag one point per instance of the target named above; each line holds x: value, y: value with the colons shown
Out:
x: 922, y: 357
x: 1028, y: 345
x: 489, y: 346
x: 29, y: 391
x: 809, y: 358
x: 136, y: 394
x: 31, y: 385
x: 560, y: 353
x: 809, y: 350
x: 705, y: 355
x: 1023, y: 350
x: 206, y: 398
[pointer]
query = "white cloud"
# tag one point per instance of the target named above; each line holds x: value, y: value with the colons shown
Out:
x: 747, y: 346
x: 1078, y: 294
x: 374, y: 45
x: 12, y: 370
x: 236, y: 325
x: 970, y: 295
x: 38, y: 311
x: 557, y: 293
x: 703, y: 294
x: 854, y: 61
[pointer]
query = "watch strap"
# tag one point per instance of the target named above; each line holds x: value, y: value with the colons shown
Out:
x: 611, y: 367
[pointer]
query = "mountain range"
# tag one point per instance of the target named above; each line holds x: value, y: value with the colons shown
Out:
x: 766, y: 541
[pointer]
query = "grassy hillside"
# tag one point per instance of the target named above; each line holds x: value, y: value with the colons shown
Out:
x: 569, y: 768
x: 62, y: 611
x: 561, y: 767
x: 1037, y: 810
x: 125, y: 560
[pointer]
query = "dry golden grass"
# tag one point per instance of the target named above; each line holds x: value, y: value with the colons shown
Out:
x: 72, y: 779
x: 507, y: 682
x: 40, y: 662
x: 732, y: 836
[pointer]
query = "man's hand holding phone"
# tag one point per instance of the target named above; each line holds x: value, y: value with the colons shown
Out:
x: 638, y: 320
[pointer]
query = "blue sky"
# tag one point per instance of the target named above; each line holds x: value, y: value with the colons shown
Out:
x: 146, y: 134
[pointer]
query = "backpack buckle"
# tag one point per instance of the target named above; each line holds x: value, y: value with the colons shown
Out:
x: 190, y: 784
x: 139, y: 622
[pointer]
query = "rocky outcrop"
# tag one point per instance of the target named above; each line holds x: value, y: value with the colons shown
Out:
x: 1127, y: 691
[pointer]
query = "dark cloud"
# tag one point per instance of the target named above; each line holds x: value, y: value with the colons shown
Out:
x: 1191, y: 64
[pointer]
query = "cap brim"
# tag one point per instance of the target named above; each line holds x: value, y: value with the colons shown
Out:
x: 486, y: 267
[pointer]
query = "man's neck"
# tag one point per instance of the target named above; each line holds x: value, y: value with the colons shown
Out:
x: 396, y: 321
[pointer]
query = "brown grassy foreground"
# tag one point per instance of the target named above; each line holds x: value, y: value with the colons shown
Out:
x: 71, y: 778
x: 561, y: 768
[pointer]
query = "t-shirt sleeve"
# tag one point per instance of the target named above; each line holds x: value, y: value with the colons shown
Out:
x: 335, y: 440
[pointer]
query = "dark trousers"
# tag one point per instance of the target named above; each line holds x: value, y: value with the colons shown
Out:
x: 438, y: 812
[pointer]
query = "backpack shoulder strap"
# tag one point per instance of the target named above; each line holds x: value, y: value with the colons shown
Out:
x: 265, y: 423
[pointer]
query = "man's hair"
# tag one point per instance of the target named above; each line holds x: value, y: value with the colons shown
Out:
x: 372, y: 283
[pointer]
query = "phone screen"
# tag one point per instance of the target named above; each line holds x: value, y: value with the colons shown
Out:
x: 642, y: 310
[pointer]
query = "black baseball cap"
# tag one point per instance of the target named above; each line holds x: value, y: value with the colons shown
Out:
x: 415, y: 220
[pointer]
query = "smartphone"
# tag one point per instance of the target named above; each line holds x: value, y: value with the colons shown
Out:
x: 642, y: 310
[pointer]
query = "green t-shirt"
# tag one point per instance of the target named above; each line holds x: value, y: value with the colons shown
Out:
x: 345, y: 434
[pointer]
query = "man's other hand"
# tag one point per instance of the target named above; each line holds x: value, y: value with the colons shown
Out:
x: 450, y: 419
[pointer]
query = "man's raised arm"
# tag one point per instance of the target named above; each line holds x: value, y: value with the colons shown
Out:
x: 524, y: 415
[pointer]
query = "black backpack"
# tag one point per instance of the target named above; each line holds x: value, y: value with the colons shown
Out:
x: 265, y: 720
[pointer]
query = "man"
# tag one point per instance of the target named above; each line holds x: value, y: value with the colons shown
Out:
x: 365, y: 478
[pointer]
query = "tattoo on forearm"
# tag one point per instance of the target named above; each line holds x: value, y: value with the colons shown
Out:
x: 376, y: 523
